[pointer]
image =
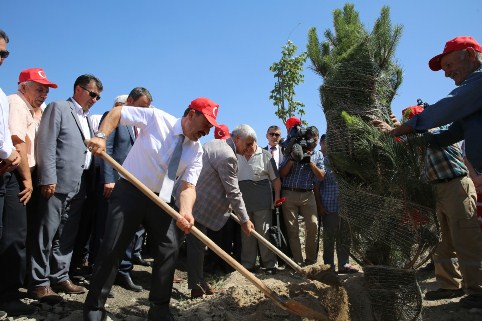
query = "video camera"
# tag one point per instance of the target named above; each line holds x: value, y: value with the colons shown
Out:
x: 299, y: 141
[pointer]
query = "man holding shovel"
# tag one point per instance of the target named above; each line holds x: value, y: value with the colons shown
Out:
x: 165, y: 148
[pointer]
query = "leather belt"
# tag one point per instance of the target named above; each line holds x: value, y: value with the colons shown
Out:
x: 446, y: 180
x: 302, y: 190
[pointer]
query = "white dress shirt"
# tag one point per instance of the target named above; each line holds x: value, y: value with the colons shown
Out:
x: 276, y: 151
x: 149, y: 157
x: 6, y: 145
x: 84, y: 124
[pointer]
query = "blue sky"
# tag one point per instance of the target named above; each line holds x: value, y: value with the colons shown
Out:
x: 181, y: 50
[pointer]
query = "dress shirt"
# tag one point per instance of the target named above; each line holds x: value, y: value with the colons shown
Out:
x: 149, y: 157
x: 23, y: 124
x: 301, y: 176
x: 463, y: 108
x: 275, y: 151
x: 84, y: 124
x: 6, y: 145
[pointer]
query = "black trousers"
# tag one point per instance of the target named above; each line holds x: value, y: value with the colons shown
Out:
x: 13, y: 236
x: 128, y: 208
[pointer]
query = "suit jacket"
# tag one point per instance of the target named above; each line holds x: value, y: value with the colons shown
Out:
x: 118, y: 145
x: 60, y: 149
x: 217, y: 190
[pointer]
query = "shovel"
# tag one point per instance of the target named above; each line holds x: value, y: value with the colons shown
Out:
x: 290, y: 305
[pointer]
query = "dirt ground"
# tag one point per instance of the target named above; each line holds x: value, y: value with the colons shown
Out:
x: 242, y: 301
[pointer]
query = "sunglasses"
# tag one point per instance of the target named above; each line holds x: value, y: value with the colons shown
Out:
x: 274, y: 134
x: 91, y: 93
x: 4, y: 54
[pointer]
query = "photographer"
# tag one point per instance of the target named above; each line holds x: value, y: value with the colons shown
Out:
x: 297, y: 187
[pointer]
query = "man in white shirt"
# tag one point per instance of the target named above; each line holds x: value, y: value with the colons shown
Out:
x: 160, y: 136
x: 9, y: 157
x: 65, y: 171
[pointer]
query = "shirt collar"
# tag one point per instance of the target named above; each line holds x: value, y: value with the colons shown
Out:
x: 177, y: 128
x: 25, y: 100
x: 79, y: 108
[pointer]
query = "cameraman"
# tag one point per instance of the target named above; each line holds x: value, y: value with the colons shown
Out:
x: 297, y: 187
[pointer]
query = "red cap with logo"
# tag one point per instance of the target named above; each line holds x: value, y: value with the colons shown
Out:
x: 292, y: 121
x: 221, y: 132
x: 37, y: 75
x: 206, y: 106
x: 456, y: 44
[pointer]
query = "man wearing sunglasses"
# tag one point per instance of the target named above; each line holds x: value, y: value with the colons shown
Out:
x: 65, y: 171
x: 9, y: 159
x: 274, y: 137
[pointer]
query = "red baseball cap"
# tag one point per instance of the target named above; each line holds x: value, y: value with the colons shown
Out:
x: 411, y: 111
x: 221, y: 132
x: 208, y: 107
x: 458, y: 43
x: 37, y: 75
x: 292, y: 121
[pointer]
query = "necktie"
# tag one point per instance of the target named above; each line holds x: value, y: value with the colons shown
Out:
x: 272, y: 151
x: 134, y: 128
x: 170, y: 177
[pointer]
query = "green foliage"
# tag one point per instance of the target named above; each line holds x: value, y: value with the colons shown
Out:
x: 288, y: 74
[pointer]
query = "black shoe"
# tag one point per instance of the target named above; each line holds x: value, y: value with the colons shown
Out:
x: 16, y: 308
x: 440, y: 294
x: 271, y: 271
x: 126, y: 282
x: 138, y: 260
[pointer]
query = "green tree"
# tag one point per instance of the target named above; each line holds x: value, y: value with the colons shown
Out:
x: 288, y: 74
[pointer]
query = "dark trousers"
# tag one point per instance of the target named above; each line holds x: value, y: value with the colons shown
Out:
x: 335, y: 230
x: 129, y: 208
x: 13, y: 236
x: 134, y: 248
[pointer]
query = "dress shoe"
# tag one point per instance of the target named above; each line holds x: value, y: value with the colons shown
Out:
x: 138, y: 260
x: 16, y: 308
x: 202, y: 290
x: 271, y: 271
x: 68, y: 287
x: 126, y: 282
x: 44, y: 294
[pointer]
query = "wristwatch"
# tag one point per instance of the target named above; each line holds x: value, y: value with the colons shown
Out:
x: 100, y: 135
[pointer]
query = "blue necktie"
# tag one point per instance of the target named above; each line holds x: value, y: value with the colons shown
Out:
x: 170, y: 177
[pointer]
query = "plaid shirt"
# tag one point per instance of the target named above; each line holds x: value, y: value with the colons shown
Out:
x: 329, y: 190
x: 443, y: 162
x: 301, y: 175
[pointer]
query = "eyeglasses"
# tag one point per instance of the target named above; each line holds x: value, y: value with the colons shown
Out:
x: 274, y: 134
x: 91, y: 93
x: 4, y: 54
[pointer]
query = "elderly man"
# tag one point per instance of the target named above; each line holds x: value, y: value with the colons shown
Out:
x: 258, y: 177
x: 165, y: 148
x: 65, y: 170
x: 9, y: 160
x: 461, y: 61
x: 218, y: 186
x: 25, y: 114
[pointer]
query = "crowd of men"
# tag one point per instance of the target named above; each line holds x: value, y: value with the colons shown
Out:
x: 63, y: 207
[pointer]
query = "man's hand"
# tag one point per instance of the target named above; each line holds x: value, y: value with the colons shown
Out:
x: 47, y: 190
x: 96, y: 145
x: 108, y: 187
x: 382, y: 126
x: 26, y: 193
x: 185, y: 222
x: 395, y: 121
x: 247, y: 227
x: 10, y: 163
